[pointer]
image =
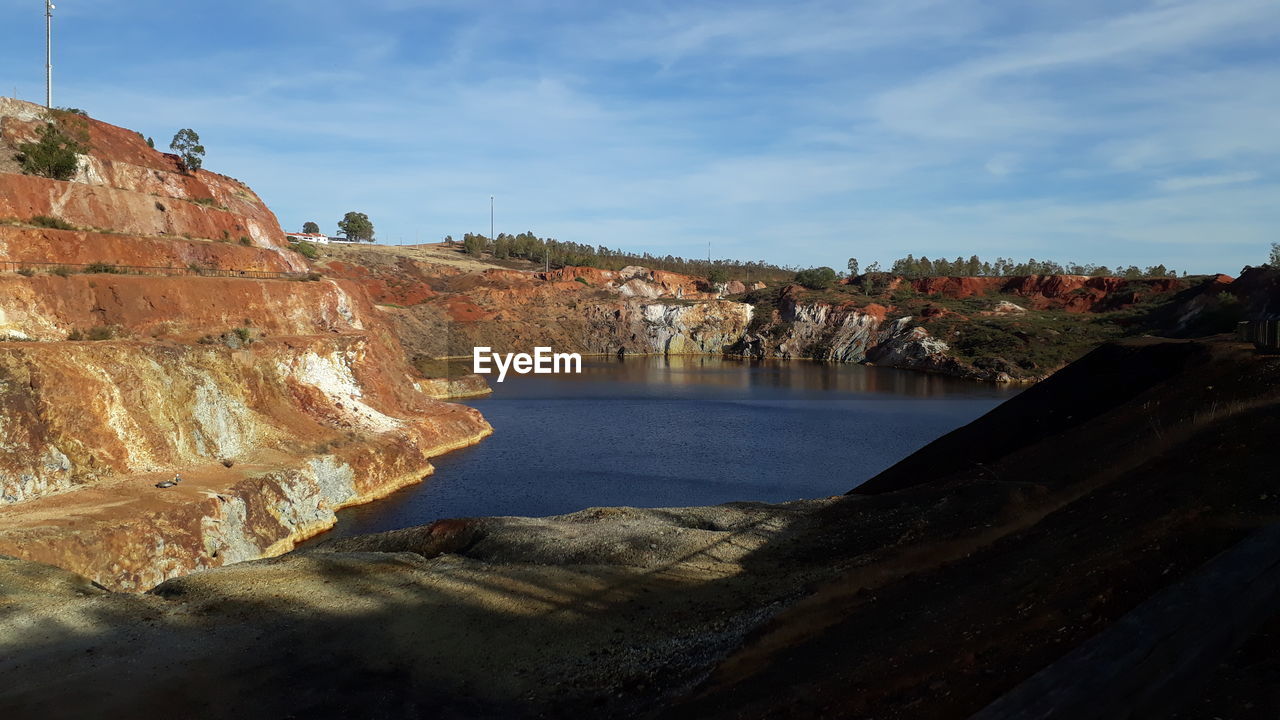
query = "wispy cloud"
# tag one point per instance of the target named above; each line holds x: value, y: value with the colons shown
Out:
x: 1193, y: 182
x: 799, y: 133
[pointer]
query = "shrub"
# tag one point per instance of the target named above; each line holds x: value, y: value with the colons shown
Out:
x: 101, y: 332
x: 55, y: 154
x: 48, y: 221
x: 101, y: 267
x: 26, y: 272
x: 244, y: 240
x: 819, y: 278
x: 306, y: 249
x: 243, y: 333
x: 718, y: 276
x: 583, y: 281
x: 61, y: 271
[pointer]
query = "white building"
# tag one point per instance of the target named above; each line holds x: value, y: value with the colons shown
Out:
x: 314, y: 238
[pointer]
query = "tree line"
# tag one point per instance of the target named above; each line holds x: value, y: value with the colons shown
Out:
x: 558, y: 253
x: 911, y: 267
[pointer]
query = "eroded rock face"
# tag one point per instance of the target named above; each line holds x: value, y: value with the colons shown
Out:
x: 154, y: 425
x: 126, y: 187
x: 302, y: 425
x: 1073, y: 293
x: 704, y: 328
x: 449, y: 388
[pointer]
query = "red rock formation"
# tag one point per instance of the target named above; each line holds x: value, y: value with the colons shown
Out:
x: 278, y: 401
x: 958, y: 287
x: 1073, y: 293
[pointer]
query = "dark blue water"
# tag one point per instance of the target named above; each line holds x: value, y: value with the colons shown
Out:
x: 655, y: 432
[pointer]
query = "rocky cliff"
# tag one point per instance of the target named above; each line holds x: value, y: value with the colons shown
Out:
x: 443, y: 303
x: 164, y: 328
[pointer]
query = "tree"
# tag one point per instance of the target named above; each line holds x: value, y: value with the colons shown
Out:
x: 853, y: 267
x: 473, y: 244
x: 190, y: 152
x: 1274, y: 260
x: 310, y: 227
x: 151, y: 143
x: 356, y: 226
x: 718, y: 276
x: 55, y: 154
x: 819, y: 278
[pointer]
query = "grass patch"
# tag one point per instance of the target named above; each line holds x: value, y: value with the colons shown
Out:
x: 209, y: 203
x: 305, y: 249
x: 96, y: 333
x: 48, y: 221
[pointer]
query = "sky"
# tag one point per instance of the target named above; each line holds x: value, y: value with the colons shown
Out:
x: 800, y: 133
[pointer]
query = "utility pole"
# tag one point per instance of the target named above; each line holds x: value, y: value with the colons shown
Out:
x: 491, y: 237
x: 48, y: 54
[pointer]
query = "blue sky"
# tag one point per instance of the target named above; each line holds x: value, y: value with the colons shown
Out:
x: 801, y: 133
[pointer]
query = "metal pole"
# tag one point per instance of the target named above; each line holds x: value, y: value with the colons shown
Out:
x: 491, y: 238
x: 48, y: 54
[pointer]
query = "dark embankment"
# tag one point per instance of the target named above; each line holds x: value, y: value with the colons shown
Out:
x: 1102, y: 381
x: 1040, y: 525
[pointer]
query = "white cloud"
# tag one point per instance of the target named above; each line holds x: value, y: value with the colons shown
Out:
x: 1195, y: 182
x: 1002, y: 164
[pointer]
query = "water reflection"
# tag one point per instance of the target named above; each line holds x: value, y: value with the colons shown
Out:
x: 803, y: 375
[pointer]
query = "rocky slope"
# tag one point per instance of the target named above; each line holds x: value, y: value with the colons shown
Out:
x: 931, y: 591
x: 1003, y: 329
x: 277, y: 400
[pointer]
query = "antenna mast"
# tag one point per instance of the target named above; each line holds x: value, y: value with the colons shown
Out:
x: 48, y: 53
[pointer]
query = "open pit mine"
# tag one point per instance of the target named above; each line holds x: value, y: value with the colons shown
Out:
x: 183, y: 398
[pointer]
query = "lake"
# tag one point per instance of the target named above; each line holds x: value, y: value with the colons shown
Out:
x: 680, y: 431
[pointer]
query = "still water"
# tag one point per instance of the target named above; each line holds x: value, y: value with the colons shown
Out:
x: 654, y: 432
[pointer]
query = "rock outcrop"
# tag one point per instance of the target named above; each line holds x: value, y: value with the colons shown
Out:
x: 276, y: 397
